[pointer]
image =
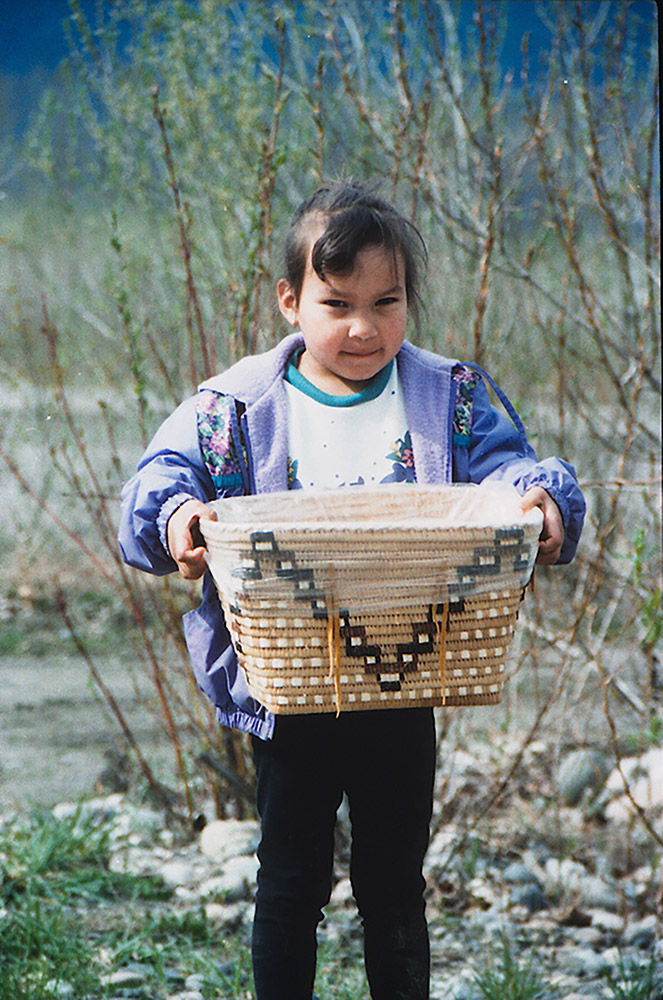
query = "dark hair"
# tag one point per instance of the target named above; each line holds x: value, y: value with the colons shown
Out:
x: 355, y: 218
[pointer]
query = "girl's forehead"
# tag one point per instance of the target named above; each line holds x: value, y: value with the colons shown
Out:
x: 374, y: 259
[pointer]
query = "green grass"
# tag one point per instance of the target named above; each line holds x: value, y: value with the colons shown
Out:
x: 42, y: 946
x: 51, y: 872
x: 341, y: 973
x: 508, y: 978
x: 632, y: 980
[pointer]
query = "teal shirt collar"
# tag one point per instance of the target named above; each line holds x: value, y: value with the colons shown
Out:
x: 370, y: 391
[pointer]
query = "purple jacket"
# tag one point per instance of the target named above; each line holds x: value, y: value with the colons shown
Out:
x: 172, y: 470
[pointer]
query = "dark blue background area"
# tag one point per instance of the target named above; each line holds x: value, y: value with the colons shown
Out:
x: 32, y: 39
x: 31, y: 30
x: 31, y: 35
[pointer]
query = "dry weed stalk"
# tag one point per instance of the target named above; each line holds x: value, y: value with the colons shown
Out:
x: 198, y: 342
x: 248, y: 321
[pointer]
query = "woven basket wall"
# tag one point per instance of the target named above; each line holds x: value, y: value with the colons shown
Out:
x: 372, y: 599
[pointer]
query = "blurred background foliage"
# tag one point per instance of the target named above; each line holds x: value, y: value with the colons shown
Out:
x: 141, y: 237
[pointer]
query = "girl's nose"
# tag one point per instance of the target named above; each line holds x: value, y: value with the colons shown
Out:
x: 362, y: 327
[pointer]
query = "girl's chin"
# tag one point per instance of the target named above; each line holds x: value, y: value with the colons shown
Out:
x: 371, y: 363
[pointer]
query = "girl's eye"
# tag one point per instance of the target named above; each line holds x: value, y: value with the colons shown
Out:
x: 388, y: 300
x: 335, y: 303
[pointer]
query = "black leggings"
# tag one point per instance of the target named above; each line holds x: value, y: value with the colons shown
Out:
x: 385, y: 762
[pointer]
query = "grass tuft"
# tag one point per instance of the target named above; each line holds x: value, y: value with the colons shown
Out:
x: 508, y: 978
x: 633, y: 980
x: 50, y: 869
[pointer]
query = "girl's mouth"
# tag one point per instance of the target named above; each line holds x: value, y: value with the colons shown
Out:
x: 362, y: 354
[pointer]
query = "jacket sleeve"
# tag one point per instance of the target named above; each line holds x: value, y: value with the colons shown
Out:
x: 497, y: 451
x: 170, y: 472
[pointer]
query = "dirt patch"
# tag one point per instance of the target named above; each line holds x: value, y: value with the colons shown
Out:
x: 55, y: 730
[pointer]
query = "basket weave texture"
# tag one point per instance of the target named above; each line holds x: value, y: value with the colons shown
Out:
x: 364, y: 599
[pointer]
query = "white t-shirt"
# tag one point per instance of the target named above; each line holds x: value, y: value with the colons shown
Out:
x: 361, y: 439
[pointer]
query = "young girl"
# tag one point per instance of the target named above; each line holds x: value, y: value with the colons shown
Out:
x: 345, y: 399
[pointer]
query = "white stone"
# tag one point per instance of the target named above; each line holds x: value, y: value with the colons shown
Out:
x: 581, y: 770
x: 615, y: 781
x: 59, y: 989
x: 195, y: 981
x: 620, y: 810
x: 110, y: 805
x: 611, y: 957
x: 566, y: 874
x: 642, y: 932
x: 134, y: 976
x: 604, y: 920
x: 644, y: 776
x: 484, y: 893
x: 188, y: 894
x: 216, y: 913
x: 177, y: 873
x: 145, y: 820
x: 598, y: 893
x: 210, y: 888
x: 584, y: 961
x: 237, y: 880
x: 228, y: 915
x: 228, y: 838
x: 461, y: 987
x: 588, y: 936
x: 105, y: 957
x: 342, y: 893
x: 442, y: 842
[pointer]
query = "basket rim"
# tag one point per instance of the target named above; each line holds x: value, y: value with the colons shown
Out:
x: 263, y: 512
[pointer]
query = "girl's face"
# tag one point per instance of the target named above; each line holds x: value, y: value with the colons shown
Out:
x: 353, y: 324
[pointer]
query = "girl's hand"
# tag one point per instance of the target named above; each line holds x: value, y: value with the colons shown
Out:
x: 184, y: 539
x: 552, y: 533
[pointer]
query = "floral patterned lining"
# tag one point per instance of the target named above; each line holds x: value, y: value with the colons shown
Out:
x: 225, y: 462
x: 464, y: 380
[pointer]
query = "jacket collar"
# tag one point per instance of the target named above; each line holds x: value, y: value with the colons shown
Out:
x: 255, y: 375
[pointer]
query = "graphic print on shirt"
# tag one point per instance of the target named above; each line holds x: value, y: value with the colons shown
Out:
x: 293, y: 482
x: 402, y: 456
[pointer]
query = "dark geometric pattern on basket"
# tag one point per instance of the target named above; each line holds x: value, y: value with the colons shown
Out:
x: 387, y: 662
x: 408, y: 654
x: 508, y: 552
x: 266, y: 559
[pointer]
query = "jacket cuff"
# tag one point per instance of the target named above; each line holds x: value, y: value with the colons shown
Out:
x: 572, y: 508
x: 167, y: 510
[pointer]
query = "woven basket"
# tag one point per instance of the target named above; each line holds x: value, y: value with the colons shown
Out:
x: 364, y: 599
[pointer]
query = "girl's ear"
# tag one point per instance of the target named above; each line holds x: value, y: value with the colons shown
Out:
x: 287, y: 302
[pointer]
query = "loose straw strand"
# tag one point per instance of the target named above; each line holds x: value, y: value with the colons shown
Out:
x: 442, y: 635
x: 334, y: 642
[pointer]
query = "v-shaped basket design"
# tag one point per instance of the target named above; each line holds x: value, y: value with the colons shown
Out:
x: 373, y: 598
